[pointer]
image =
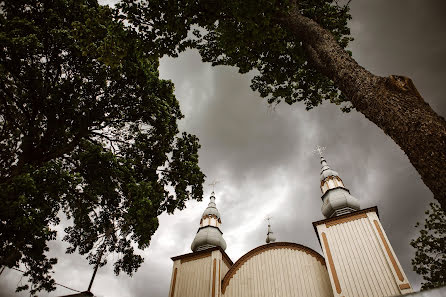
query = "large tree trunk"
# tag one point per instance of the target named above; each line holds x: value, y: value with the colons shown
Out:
x: 392, y: 103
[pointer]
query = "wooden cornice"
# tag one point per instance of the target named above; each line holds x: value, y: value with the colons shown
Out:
x: 344, y: 218
x: 258, y: 250
x: 203, y: 254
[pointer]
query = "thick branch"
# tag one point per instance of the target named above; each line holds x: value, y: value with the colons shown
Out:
x: 392, y: 103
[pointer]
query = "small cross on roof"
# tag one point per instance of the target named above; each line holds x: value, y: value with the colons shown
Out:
x: 319, y: 150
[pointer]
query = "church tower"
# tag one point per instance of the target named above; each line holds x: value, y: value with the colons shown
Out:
x: 199, y: 274
x: 360, y: 259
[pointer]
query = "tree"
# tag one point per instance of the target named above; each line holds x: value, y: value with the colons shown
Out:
x: 430, y: 254
x: 297, y: 50
x: 88, y: 129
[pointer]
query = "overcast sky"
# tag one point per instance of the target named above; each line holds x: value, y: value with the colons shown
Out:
x: 263, y: 158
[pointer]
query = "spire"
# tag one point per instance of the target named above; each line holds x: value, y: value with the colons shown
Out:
x: 209, y: 234
x: 270, y: 238
x: 336, y: 198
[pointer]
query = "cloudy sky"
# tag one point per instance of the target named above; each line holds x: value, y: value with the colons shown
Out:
x: 263, y: 158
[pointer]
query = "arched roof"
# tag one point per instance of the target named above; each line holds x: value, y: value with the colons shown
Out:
x: 263, y: 248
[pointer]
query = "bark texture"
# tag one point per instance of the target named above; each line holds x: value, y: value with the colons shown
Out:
x: 392, y: 103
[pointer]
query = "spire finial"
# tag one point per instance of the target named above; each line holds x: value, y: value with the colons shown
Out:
x: 268, y: 218
x: 319, y: 150
x: 269, y: 236
x: 209, y: 234
x: 213, y: 184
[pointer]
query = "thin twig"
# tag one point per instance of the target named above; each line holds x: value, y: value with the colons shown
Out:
x: 54, y: 283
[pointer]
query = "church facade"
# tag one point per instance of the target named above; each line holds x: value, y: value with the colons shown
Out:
x: 357, y: 260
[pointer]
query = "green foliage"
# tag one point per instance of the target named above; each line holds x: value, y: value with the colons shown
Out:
x: 86, y: 128
x: 430, y: 254
x: 248, y: 35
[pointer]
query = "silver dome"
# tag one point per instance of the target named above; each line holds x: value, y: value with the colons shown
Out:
x: 328, y: 172
x: 208, y: 236
x: 338, y: 201
x: 211, y: 209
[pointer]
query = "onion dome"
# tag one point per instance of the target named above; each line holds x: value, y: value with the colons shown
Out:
x: 270, y: 238
x: 326, y: 171
x: 209, y: 234
x: 336, y: 198
x: 211, y: 210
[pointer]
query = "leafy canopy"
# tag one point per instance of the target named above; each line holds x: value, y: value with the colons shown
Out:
x: 87, y: 128
x: 430, y: 254
x: 249, y: 35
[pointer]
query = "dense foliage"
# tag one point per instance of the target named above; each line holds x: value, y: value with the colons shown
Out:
x: 87, y: 128
x: 249, y: 35
x: 296, y: 50
x: 430, y: 254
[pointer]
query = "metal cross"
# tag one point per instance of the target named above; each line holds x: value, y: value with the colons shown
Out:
x: 268, y: 218
x: 213, y: 184
x: 319, y: 150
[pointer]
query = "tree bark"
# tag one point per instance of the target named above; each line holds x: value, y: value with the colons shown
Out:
x: 392, y: 103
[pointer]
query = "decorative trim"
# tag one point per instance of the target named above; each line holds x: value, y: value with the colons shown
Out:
x: 227, y: 261
x: 210, y: 226
x: 346, y: 219
x: 172, y: 292
x: 219, y: 277
x: 332, y: 189
x: 389, y: 252
x: 196, y: 257
x: 331, y: 264
x: 210, y: 216
x: 404, y: 286
x: 325, y: 221
x: 330, y: 177
x: 207, y: 252
x: 264, y: 248
x: 213, y: 277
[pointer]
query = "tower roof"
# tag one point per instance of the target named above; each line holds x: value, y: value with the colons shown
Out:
x: 326, y: 171
x: 212, y: 208
x: 336, y: 198
x: 209, y: 234
x: 270, y: 238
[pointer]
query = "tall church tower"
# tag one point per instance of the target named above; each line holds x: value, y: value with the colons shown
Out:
x: 360, y: 259
x: 199, y: 274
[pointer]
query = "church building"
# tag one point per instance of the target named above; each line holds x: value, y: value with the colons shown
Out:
x: 357, y: 258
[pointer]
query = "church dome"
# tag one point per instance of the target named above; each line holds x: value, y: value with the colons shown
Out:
x: 336, y: 198
x: 211, y: 209
x: 338, y: 201
x: 328, y: 172
x: 208, y: 237
x: 209, y: 234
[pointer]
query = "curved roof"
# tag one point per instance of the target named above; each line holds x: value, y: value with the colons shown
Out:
x: 211, y: 209
x: 206, y: 237
x: 263, y: 248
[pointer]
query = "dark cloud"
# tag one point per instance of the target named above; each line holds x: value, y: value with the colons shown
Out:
x: 264, y: 159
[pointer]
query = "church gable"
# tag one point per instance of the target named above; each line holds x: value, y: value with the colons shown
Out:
x: 278, y: 269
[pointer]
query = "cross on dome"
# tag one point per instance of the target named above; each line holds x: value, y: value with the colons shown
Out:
x: 213, y: 184
x: 268, y: 218
x: 319, y: 150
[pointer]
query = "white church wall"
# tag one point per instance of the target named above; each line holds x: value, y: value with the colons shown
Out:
x: 192, y: 278
x: 279, y: 271
x: 359, y: 263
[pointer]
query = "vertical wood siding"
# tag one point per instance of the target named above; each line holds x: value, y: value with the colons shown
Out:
x: 193, y: 278
x: 280, y: 272
x: 360, y: 262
